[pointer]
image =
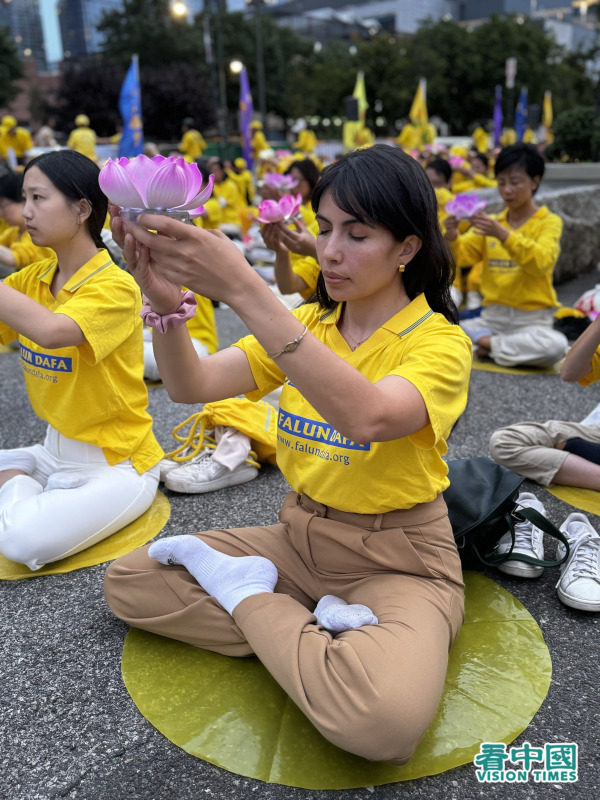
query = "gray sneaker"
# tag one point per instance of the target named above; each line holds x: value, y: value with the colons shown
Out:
x: 579, y: 582
x: 529, y: 541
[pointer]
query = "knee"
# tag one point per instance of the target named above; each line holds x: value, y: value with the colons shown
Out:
x: 502, y: 441
x: 381, y: 733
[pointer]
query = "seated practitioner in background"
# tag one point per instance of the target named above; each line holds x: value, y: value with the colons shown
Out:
x: 16, y: 248
x: 227, y: 194
x: 15, y: 138
x: 475, y: 175
x: 560, y: 453
x: 467, y: 280
x: 296, y: 268
x: 519, y: 248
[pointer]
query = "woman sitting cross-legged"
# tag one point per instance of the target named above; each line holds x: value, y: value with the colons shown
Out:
x: 353, y: 600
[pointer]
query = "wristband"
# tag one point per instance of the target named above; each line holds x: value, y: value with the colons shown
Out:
x: 163, y: 322
x: 290, y: 346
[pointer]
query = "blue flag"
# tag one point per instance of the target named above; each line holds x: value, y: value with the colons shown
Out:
x: 521, y: 115
x: 246, y: 114
x: 498, y: 116
x: 130, y: 105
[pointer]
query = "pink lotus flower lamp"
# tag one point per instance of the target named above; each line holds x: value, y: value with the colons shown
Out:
x: 464, y: 206
x: 283, y: 210
x: 284, y: 183
x: 158, y: 185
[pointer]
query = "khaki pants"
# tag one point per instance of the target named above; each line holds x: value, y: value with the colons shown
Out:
x: 372, y: 691
x: 529, y: 448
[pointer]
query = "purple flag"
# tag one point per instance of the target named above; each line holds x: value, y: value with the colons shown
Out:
x: 498, y: 116
x: 521, y: 115
x: 246, y: 114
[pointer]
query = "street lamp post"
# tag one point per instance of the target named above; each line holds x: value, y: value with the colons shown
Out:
x: 217, y: 74
x: 260, y: 59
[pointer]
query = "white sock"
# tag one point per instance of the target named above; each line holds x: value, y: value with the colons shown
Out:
x: 229, y: 579
x: 336, y: 615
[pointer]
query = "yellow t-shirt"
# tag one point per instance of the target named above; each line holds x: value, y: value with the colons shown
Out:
x: 202, y: 325
x: 192, y: 145
x: 213, y: 212
x: 20, y: 141
x: 83, y: 140
x: 22, y: 248
x: 305, y: 266
x: 472, y: 184
x: 229, y: 198
x: 372, y: 478
x: 519, y: 272
x: 93, y: 392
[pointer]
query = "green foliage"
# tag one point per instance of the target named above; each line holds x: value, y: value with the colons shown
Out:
x: 576, y: 135
x: 10, y: 68
x: 462, y: 68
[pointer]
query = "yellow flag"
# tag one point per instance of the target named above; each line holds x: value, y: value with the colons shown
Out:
x: 547, y: 115
x: 360, y: 94
x: 418, y: 110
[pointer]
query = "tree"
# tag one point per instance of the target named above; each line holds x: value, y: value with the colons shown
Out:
x: 11, y: 69
x: 576, y: 135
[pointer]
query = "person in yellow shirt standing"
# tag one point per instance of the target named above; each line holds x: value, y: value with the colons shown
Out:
x: 192, y: 144
x: 481, y: 139
x: 76, y: 317
x: 242, y: 176
x: 258, y: 142
x: 14, y: 138
x: 82, y: 138
x: 227, y: 194
x: 519, y: 248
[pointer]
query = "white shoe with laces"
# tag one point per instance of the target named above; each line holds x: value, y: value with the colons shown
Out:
x: 205, y: 475
x: 529, y: 541
x: 168, y: 464
x: 579, y: 582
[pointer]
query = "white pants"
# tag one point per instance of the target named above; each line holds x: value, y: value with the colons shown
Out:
x: 70, y: 499
x: 525, y: 338
x: 151, y: 372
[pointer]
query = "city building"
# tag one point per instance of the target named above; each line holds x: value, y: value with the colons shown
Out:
x: 574, y: 23
x: 25, y: 25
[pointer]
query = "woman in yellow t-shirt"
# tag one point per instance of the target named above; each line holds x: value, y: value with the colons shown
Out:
x: 362, y: 568
x: 76, y: 318
x: 518, y: 249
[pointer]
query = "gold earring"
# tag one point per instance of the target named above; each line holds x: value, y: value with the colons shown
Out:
x: 401, y: 267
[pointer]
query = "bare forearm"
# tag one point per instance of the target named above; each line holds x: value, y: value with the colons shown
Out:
x: 190, y: 379
x: 287, y: 280
x: 578, y: 362
x: 327, y: 381
x: 7, y: 257
x: 37, y: 323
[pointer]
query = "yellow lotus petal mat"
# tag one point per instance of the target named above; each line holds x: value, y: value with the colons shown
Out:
x: 585, y: 499
x: 124, y: 541
x: 489, y: 366
x: 230, y: 712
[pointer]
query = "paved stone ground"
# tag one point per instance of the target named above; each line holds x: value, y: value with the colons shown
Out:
x: 70, y: 730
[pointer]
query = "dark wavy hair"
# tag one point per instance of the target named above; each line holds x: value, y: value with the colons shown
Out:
x: 76, y: 176
x: 382, y: 185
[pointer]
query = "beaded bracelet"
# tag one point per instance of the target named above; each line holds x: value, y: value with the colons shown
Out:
x: 290, y: 346
x: 162, y: 322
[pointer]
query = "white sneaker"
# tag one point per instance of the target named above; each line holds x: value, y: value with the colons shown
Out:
x: 579, y: 582
x: 205, y: 475
x: 529, y: 541
x: 168, y: 464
